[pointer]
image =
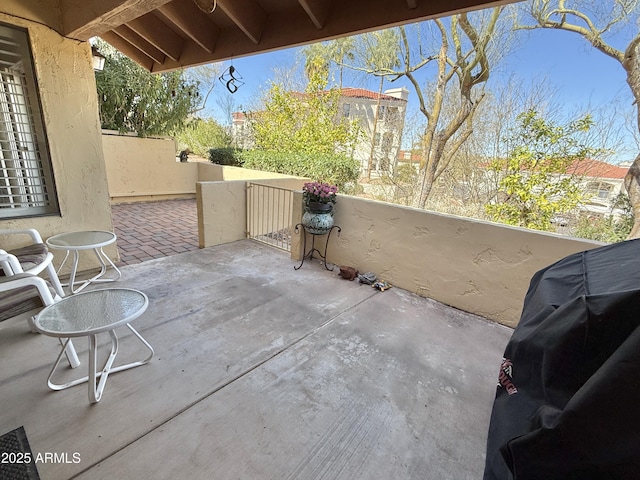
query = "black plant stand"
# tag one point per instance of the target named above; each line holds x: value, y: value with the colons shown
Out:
x: 309, y: 254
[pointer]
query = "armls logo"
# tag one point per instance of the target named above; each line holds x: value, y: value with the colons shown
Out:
x: 505, y: 377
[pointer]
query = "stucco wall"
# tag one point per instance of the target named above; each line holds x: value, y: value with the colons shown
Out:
x: 480, y: 267
x: 144, y: 169
x: 209, y: 172
x: 70, y: 107
x: 222, y: 208
x: 222, y: 212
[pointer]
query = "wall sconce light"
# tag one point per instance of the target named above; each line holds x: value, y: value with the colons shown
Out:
x: 97, y: 59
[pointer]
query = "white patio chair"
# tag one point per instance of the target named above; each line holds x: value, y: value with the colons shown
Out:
x: 23, y: 294
x: 32, y: 258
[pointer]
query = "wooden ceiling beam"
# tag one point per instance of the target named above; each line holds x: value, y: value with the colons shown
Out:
x: 317, y: 11
x: 193, y: 23
x: 155, y: 32
x: 248, y: 16
x: 140, y: 43
x: 412, y: 4
x: 127, y: 49
x: 83, y: 19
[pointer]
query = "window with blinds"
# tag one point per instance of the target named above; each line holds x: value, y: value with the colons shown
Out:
x: 26, y: 180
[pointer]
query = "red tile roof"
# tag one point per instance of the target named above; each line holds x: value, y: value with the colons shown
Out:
x: 597, y: 169
x: 409, y: 156
x: 362, y: 93
x: 584, y: 168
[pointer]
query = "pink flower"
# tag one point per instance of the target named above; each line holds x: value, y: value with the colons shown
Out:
x: 319, y: 192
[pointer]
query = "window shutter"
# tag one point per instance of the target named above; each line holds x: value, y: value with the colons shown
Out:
x: 26, y: 181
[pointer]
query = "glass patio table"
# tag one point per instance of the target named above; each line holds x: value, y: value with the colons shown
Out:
x: 86, y: 315
x: 85, y: 240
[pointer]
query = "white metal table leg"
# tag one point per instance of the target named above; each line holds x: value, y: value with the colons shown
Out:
x: 102, y: 257
x: 99, y: 252
x: 74, y: 270
x: 70, y: 352
x: 95, y: 391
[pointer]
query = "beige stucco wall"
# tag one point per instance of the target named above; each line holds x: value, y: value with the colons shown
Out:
x: 222, y: 208
x: 222, y: 212
x: 145, y: 169
x: 69, y: 102
x: 480, y: 267
x: 209, y: 172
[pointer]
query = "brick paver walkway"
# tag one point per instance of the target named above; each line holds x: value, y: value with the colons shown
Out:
x: 155, y: 229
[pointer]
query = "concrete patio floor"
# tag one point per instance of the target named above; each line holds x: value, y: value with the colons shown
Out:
x: 263, y: 372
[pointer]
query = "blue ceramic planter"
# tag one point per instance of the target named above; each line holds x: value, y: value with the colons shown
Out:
x: 318, y: 218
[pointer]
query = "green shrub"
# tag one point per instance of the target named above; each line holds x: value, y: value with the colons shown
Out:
x: 200, y: 135
x: 602, y: 228
x: 608, y: 228
x: 336, y: 169
x: 225, y: 156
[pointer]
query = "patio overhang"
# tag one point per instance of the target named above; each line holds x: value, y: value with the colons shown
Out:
x: 162, y: 35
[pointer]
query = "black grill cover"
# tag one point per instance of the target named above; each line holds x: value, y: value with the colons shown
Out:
x: 568, y: 398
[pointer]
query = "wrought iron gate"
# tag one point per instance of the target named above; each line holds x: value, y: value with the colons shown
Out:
x: 269, y: 212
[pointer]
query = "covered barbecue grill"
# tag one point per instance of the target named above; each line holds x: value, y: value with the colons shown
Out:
x: 567, y: 404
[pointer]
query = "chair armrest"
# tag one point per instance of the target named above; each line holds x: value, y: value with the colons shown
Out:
x: 10, y: 264
x: 25, y: 280
x: 32, y: 232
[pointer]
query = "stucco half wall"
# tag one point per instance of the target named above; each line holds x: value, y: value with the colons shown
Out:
x: 479, y: 267
x: 70, y: 108
x: 476, y: 266
x: 222, y: 208
x: 145, y: 169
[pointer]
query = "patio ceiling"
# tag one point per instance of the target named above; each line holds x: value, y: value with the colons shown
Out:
x: 163, y: 35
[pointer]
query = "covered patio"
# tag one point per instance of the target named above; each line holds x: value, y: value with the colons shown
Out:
x: 265, y: 372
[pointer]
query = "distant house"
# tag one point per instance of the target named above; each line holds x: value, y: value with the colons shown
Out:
x: 601, y: 181
x: 410, y: 157
x: 382, y: 139
x: 241, y: 133
x: 381, y: 117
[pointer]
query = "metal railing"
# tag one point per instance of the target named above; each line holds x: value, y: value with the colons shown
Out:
x: 269, y: 212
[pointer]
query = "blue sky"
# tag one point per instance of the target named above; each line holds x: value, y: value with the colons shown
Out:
x: 581, y: 76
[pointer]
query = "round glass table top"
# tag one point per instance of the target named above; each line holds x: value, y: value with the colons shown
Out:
x: 91, y: 312
x: 82, y: 240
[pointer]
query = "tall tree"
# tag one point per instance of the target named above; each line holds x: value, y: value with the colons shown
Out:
x: 321, y: 55
x: 379, y: 54
x: 341, y: 50
x: 596, y: 22
x: 304, y: 122
x: 535, y: 180
x: 317, y: 61
x: 132, y: 99
x: 459, y: 51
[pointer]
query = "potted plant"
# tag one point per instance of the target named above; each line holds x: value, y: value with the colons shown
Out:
x: 319, y: 199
